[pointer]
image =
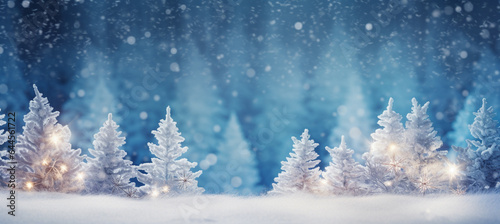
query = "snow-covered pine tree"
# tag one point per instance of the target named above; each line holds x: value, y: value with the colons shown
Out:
x: 300, y: 171
x: 424, y: 165
x: 4, y: 176
x: 45, y: 158
x: 3, y: 134
x: 384, y: 161
x: 481, y: 159
x: 344, y: 176
x: 235, y: 158
x: 108, y: 172
x: 167, y: 174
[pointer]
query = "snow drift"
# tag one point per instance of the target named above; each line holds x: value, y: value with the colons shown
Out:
x: 51, y: 208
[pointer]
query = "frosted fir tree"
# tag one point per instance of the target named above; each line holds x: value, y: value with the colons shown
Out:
x: 108, y: 172
x: 344, y: 176
x: 384, y: 161
x: 46, y: 161
x: 167, y: 174
x: 235, y: 159
x: 481, y: 159
x: 300, y: 173
x: 424, y: 165
x: 4, y: 136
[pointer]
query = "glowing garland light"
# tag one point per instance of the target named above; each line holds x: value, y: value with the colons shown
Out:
x: 155, y: 193
x: 80, y: 176
x: 55, y: 139
x: 165, y: 189
x: 452, y: 170
x: 63, y: 168
x: 54, y: 169
x: 29, y: 185
x: 324, y: 182
x: 393, y: 147
x: 388, y: 183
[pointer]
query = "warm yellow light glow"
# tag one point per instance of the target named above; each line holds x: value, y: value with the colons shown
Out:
x: 64, y: 168
x: 29, y: 185
x: 452, y: 170
x: 323, y: 181
x: 155, y: 193
x: 55, y: 139
x: 80, y: 176
x: 165, y: 189
x: 393, y: 147
x: 388, y: 183
x: 45, y: 162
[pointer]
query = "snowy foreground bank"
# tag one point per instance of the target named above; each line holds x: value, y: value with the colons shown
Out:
x: 64, y: 208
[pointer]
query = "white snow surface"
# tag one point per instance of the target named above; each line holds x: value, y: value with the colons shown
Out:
x: 40, y: 207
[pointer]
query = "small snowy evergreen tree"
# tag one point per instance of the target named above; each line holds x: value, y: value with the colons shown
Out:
x: 300, y: 172
x: 45, y: 158
x: 481, y: 159
x: 344, y: 176
x: 3, y: 134
x: 108, y: 172
x: 4, y: 176
x: 235, y: 158
x: 423, y: 163
x: 384, y: 162
x: 167, y: 174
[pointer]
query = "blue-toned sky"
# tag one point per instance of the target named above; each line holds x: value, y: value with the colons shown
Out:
x: 279, y: 66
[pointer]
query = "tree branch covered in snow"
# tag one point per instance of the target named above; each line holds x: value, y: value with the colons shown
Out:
x: 480, y: 160
x: 4, y: 176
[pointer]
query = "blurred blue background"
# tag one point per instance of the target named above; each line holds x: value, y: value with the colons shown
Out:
x: 279, y: 66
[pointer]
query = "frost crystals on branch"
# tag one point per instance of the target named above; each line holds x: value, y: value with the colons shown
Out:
x: 384, y: 162
x: 108, y: 172
x: 300, y: 172
x: 481, y: 159
x: 344, y: 176
x: 4, y: 174
x: 168, y: 175
x: 424, y: 164
x: 46, y: 160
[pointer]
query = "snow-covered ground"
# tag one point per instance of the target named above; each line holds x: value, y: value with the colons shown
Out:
x: 67, y: 208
